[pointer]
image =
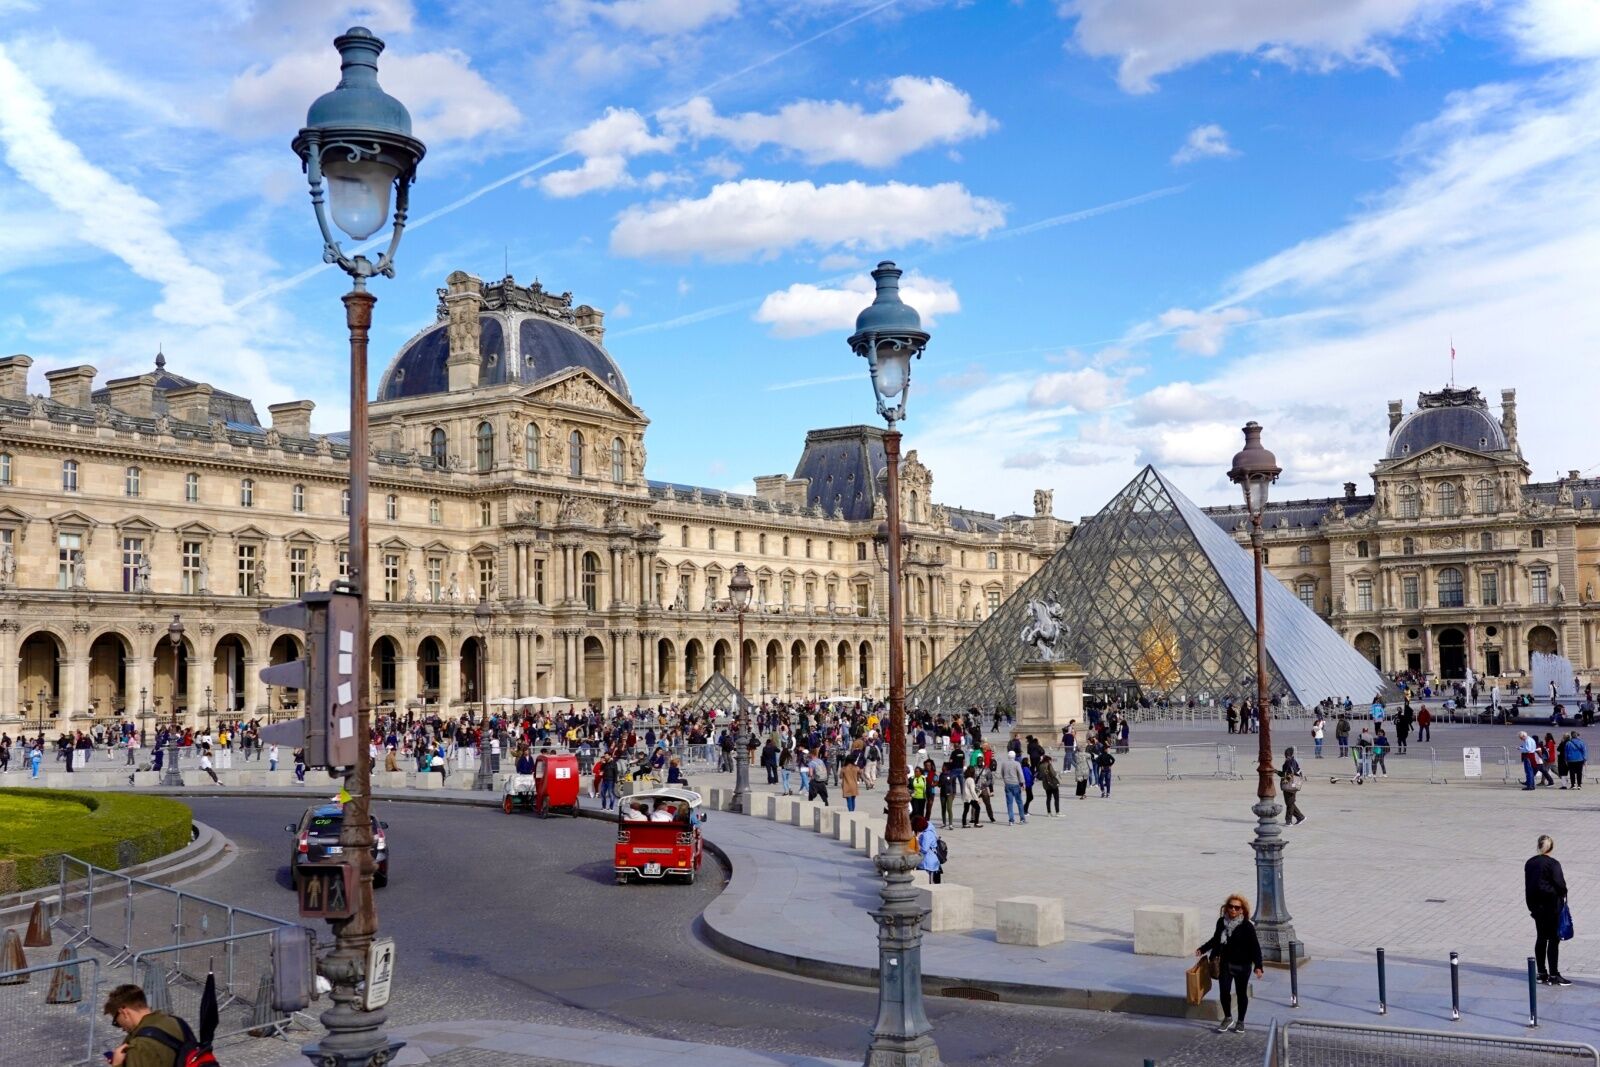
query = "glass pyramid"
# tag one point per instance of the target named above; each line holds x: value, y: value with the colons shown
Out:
x: 718, y: 694
x: 1161, y: 605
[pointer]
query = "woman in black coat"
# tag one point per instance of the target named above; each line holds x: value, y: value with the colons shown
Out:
x: 1236, y: 952
x: 1545, y: 888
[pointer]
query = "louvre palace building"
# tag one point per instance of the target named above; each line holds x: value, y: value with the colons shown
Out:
x: 1455, y: 560
x: 512, y: 519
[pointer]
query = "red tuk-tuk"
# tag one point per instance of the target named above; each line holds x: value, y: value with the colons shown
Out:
x: 658, y: 834
x: 555, y: 783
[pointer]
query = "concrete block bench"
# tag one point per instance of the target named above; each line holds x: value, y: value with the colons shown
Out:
x: 1159, y: 930
x: 766, y: 805
x: 791, y: 811
x: 948, y: 907
x: 1029, y: 921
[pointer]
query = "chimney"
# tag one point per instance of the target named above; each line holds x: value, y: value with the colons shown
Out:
x: 1396, y: 413
x: 70, y: 386
x: 134, y: 396
x: 1349, y: 490
x: 591, y: 323
x: 14, y: 377
x: 292, y: 418
x: 463, y: 301
x: 190, y: 404
x: 771, y: 486
x: 1572, y: 476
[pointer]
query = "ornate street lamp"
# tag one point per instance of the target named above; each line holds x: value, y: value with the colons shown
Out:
x: 1254, y: 471
x: 739, y: 587
x: 357, y: 147
x: 484, y: 779
x: 889, y: 335
x: 41, y: 705
x: 208, y: 711
x: 144, y: 716
x: 169, y: 774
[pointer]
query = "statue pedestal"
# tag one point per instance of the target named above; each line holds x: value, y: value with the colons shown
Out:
x: 1049, y: 695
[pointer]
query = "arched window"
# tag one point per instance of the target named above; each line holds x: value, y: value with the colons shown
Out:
x: 911, y: 500
x: 616, y: 460
x: 1485, y: 492
x: 1305, y: 554
x: 485, y: 513
x: 1362, y: 550
x: 391, y: 508
x: 531, y: 446
x: 1408, y: 501
x: 435, y: 515
x: 131, y: 478
x: 485, y: 446
x: 191, y: 489
x: 247, y: 493
x: 1450, y: 594
x: 591, y: 581
x: 1447, y: 498
x: 1408, y: 546
x: 436, y: 447
x: 297, y: 497
x: 575, y: 453
x: 711, y: 539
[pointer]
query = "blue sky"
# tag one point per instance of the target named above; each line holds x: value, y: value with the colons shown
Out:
x: 1134, y: 224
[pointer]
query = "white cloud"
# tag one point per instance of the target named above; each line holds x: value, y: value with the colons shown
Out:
x: 1088, y: 389
x: 804, y: 309
x: 663, y: 17
x: 1207, y: 444
x: 1557, y: 29
x: 1176, y: 402
x: 1149, y: 38
x: 925, y: 111
x: 760, y: 217
x: 1202, y: 332
x: 448, y: 100
x: 607, y: 144
x: 1209, y: 141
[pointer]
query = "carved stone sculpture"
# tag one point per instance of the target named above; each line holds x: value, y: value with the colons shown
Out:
x: 142, y: 575
x: 1044, y: 628
x: 316, y: 577
x: 205, y: 576
x: 261, y: 578
x: 411, y: 587
x: 453, y: 594
x: 8, y: 567
x: 80, y: 571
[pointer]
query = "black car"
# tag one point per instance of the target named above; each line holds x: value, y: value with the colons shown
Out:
x: 316, y: 840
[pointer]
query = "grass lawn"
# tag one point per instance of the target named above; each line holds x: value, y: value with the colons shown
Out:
x: 110, y: 830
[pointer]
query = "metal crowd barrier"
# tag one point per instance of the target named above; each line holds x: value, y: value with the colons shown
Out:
x: 242, y: 964
x: 33, y: 1030
x: 1306, y: 1043
x: 1201, y: 761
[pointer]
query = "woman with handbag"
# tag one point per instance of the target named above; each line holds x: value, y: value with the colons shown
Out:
x: 1234, y: 952
x: 1545, y: 889
x: 1292, y: 778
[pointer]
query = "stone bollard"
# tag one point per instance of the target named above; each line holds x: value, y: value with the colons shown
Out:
x: 153, y: 980
x: 766, y: 805
x: 1159, y: 930
x: 38, y: 935
x: 947, y: 907
x: 789, y: 811
x: 12, y: 958
x: 1029, y: 921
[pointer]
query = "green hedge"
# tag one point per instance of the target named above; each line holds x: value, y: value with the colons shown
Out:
x: 111, y: 830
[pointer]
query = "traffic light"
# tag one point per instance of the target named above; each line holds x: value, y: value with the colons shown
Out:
x: 325, y: 676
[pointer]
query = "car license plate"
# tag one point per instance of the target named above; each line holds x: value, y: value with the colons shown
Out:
x: 652, y: 868
x: 334, y: 850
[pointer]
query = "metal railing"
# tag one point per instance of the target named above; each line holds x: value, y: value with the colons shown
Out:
x: 1306, y: 1043
x: 1201, y: 761
x: 37, y: 1031
x: 245, y: 981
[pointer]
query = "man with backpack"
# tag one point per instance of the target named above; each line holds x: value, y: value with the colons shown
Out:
x: 155, y: 1039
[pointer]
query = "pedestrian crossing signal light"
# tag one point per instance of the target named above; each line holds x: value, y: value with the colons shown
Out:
x: 324, y: 675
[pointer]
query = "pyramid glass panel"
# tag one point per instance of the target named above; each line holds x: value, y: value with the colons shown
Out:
x: 1160, y: 604
x: 718, y: 694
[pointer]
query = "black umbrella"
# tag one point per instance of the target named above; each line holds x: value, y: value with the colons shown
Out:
x: 209, y: 1016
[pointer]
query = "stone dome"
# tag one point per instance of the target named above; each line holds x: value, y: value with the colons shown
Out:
x: 524, y: 334
x: 1456, y: 417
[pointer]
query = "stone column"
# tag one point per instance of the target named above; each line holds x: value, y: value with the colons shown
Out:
x: 255, y: 690
x: 405, y: 681
x: 450, y: 675
x: 10, y: 671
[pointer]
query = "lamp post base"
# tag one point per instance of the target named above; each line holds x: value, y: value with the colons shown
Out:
x: 1274, y: 927
x: 902, y: 1036
x: 170, y: 776
x: 740, y: 804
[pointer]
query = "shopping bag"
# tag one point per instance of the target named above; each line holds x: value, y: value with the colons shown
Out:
x: 1198, y: 981
x: 1564, y: 924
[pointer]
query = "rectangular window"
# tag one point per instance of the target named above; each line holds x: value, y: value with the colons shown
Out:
x: 830, y: 549
x: 994, y: 601
x: 247, y: 569
x: 486, y: 578
x: 711, y: 539
x: 1364, y: 594
x: 5, y: 468
x: 863, y: 601
x: 297, y: 500
x: 344, y: 504
x: 299, y: 563
x: 763, y: 588
x: 391, y: 576
x: 131, y: 479
x: 538, y: 581
x: 683, y: 536
x: 485, y: 514
x: 247, y: 493
x: 1410, y: 592
x: 434, y: 515
x: 68, y: 545
x: 344, y: 565
x: 1307, y: 592
x: 994, y: 561
x: 132, y: 555
x: 191, y: 567
x: 861, y: 551
x: 1489, y: 584
x: 1541, y: 585
x: 191, y: 489
x: 738, y: 541
x: 435, y: 578
x: 69, y: 476
x: 808, y: 548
